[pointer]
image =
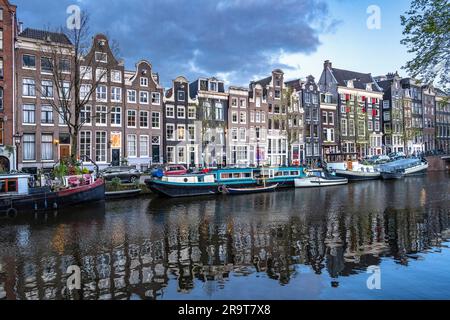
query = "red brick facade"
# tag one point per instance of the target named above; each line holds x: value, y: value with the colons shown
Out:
x: 8, y: 32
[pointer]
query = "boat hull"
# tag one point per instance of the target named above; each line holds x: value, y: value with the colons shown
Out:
x: 238, y: 191
x: 392, y: 175
x: 48, y: 201
x: 358, y: 176
x: 174, y: 190
x: 417, y: 170
x: 314, y: 182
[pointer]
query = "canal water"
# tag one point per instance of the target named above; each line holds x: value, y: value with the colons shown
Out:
x: 369, y: 240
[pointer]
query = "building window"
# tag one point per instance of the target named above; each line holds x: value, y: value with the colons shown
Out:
x: 277, y: 94
x: 132, y: 148
x: 85, y: 92
x: 351, y: 127
x: 181, y: 155
x: 116, y: 76
x: 85, y: 143
x: 65, y: 90
x: 144, y: 82
x: 324, y: 117
x: 144, y: 146
x: 170, y: 155
x: 101, y: 57
x: 86, y: 115
x: 47, y: 147
x: 181, y: 129
x: 206, y: 110
x: 116, y: 94
x: 234, y: 102
x: 143, y: 97
x: 47, y: 89
x: 1, y: 98
x: 156, y: 98
x: 64, y: 65
x: 28, y: 88
x: 116, y: 116
x: 101, y: 115
x: 2, y: 132
x: 156, y: 120
x: 46, y: 65
x: 47, y: 114
x: 344, y: 129
x: 181, y: 96
x: 181, y: 112
x: 234, y: 117
x: 242, y: 134
x: 102, y: 94
x: 234, y: 134
x: 192, y: 113
x: 100, y: 146
x: 1, y: 14
x: 86, y: 73
x: 170, y: 132
x: 29, y: 114
x: 170, y: 112
x: 1, y: 39
x: 219, y: 111
x: 101, y: 75
x: 191, y: 132
x: 131, y: 122
x: 28, y: 61
x: 1, y: 68
x: 131, y: 96
x: 29, y: 147
x: 213, y: 86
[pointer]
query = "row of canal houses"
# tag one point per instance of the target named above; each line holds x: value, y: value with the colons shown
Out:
x: 132, y: 119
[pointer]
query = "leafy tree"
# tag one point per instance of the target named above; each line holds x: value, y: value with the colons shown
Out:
x: 427, y: 35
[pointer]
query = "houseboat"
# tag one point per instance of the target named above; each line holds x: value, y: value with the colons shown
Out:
x: 319, y: 178
x: 355, y: 171
x: 214, y: 182
x: 17, y: 194
x: 404, y: 167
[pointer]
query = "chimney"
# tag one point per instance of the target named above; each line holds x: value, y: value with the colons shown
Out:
x: 327, y: 64
x: 20, y: 27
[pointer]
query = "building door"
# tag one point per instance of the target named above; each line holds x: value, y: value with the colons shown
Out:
x: 115, y: 157
x: 155, y: 153
x: 192, y: 156
x: 64, y: 152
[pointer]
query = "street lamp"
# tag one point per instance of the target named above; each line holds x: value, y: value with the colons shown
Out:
x: 17, y: 141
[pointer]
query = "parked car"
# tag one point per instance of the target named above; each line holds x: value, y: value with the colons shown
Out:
x: 125, y: 174
x: 175, y: 170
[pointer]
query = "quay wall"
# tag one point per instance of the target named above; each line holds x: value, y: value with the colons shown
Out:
x: 437, y: 164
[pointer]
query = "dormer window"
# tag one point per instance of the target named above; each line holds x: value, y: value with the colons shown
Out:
x: 213, y: 86
x: 350, y: 84
x: 181, y: 95
x: 101, y: 57
x: 102, y: 43
x: 369, y: 87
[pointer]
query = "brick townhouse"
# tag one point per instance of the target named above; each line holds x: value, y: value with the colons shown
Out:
x: 8, y: 32
x: 44, y: 137
x: 238, y: 127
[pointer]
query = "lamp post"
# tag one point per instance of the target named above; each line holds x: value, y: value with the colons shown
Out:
x: 17, y: 141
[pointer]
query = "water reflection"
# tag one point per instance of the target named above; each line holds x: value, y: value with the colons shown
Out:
x: 201, y: 248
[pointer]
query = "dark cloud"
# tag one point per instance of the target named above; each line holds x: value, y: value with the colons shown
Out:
x: 239, y: 38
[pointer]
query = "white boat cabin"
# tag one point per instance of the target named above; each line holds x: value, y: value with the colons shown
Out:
x: 14, y: 184
x: 207, y: 178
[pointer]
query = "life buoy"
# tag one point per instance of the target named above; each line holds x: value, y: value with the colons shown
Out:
x: 221, y: 189
x: 11, y: 212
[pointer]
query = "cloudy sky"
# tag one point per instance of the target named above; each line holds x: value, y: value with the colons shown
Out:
x: 239, y: 40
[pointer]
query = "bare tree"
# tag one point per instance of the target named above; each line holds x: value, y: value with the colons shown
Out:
x: 71, y: 66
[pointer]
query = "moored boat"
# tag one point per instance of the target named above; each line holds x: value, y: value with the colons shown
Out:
x: 211, y: 183
x: 319, y: 178
x: 16, y: 195
x: 404, y: 167
x: 249, y: 190
x: 355, y: 171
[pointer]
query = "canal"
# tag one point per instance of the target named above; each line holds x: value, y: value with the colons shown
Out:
x: 294, y: 244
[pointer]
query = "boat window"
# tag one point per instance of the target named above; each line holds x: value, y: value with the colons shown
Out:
x: 236, y: 175
x: 226, y: 176
x: 279, y: 174
x: 294, y: 173
x: 8, y: 185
